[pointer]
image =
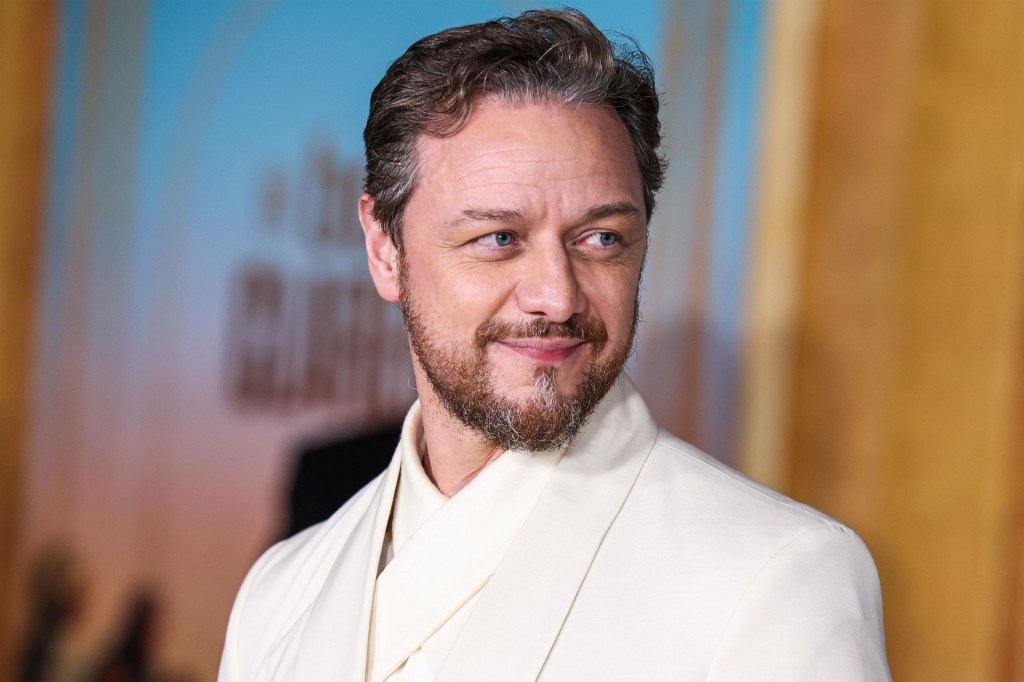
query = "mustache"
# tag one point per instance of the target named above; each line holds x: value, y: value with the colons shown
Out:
x: 576, y: 327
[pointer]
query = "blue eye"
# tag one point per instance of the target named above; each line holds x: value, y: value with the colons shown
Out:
x: 607, y: 238
x: 503, y: 238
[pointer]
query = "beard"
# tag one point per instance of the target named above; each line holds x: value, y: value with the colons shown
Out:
x: 546, y: 420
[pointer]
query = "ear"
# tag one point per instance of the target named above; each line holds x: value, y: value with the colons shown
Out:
x: 380, y: 252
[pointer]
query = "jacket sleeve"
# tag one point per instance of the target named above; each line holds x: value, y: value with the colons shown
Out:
x: 813, y: 612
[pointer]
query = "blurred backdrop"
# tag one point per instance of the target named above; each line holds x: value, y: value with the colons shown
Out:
x: 188, y: 335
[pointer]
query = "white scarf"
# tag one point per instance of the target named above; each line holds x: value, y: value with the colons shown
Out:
x: 440, y: 554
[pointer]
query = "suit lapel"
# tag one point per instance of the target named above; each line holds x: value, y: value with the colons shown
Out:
x: 521, y: 610
x: 334, y: 644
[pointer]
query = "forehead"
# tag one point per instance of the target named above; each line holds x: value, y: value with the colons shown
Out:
x: 537, y: 158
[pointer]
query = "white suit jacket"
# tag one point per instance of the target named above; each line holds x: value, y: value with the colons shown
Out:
x: 643, y: 559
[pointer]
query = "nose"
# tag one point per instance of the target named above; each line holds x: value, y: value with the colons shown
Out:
x: 548, y: 286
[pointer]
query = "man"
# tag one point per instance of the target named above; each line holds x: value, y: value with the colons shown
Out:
x: 535, y: 523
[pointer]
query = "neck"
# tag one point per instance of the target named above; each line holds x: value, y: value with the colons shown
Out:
x: 453, y: 454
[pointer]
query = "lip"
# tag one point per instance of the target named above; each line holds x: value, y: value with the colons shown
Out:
x: 547, y: 350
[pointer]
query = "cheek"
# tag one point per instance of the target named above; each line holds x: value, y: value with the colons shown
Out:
x: 622, y: 316
x: 612, y: 297
x: 459, y: 299
x: 483, y: 290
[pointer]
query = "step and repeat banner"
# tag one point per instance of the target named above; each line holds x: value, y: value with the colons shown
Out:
x: 206, y: 321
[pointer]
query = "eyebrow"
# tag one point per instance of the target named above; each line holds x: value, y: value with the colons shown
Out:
x: 488, y: 215
x: 621, y: 208
x: 509, y: 216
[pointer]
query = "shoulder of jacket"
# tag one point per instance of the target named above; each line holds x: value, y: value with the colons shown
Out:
x: 289, y: 574
x: 727, y: 492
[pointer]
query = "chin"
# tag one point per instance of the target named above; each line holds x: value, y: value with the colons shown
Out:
x: 533, y: 380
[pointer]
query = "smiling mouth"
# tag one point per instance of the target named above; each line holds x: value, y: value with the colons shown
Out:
x: 544, y: 349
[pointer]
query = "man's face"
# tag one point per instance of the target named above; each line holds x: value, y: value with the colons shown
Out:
x: 523, y: 244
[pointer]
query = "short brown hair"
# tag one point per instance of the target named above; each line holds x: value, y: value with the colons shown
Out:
x: 556, y: 55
